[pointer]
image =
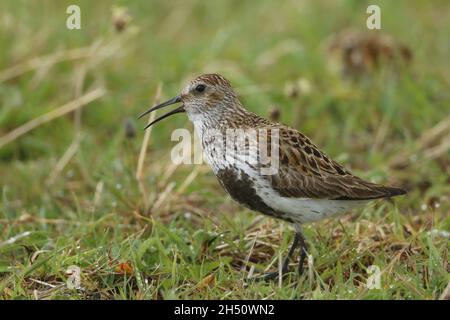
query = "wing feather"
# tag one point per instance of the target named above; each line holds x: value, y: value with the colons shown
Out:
x: 306, y: 172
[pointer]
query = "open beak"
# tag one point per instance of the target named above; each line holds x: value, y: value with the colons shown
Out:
x: 162, y: 105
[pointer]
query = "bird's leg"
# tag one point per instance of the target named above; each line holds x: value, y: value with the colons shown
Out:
x: 303, y: 252
x: 299, y: 242
x: 303, y: 248
x: 273, y: 275
x: 290, y: 253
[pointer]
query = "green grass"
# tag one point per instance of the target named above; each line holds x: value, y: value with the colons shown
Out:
x: 195, y: 243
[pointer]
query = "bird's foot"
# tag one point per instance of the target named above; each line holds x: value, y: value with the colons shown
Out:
x: 299, y: 242
x: 269, y: 276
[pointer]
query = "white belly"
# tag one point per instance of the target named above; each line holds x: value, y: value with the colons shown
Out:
x: 303, y: 210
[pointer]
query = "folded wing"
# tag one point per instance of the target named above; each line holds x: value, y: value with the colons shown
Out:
x: 306, y: 172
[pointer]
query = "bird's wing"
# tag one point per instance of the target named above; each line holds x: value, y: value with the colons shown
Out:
x: 306, y: 172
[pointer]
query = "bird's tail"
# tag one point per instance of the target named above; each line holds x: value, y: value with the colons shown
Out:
x: 392, y: 191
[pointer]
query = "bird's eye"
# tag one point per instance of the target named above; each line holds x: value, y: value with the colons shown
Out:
x: 200, y: 88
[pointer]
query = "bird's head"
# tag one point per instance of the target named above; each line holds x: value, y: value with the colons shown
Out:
x: 207, y: 96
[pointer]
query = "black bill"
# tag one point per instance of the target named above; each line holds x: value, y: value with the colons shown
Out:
x: 162, y: 105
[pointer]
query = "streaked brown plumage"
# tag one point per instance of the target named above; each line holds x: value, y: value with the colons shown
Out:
x: 307, y: 185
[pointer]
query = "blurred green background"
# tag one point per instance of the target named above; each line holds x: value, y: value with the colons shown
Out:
x: 71, y: 181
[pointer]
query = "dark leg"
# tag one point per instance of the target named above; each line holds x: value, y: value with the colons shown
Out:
x: 273, y: 275
x: 303, y: 252
x: 299, y: 242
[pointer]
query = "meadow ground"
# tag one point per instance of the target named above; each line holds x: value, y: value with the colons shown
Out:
x: 69, y: 192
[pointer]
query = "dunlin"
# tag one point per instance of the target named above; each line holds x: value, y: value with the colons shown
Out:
x: 303, y: 184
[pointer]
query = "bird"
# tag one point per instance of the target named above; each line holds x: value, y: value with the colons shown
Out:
x: 266, y: 166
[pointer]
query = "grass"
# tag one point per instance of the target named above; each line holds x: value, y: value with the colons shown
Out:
x: 69, y: 193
